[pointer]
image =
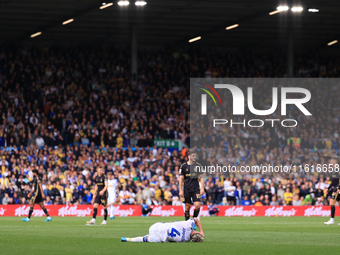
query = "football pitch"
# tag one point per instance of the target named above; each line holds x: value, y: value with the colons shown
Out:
x: 223, y: 235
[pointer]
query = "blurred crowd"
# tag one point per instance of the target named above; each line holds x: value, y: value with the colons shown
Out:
x: 66, y: 111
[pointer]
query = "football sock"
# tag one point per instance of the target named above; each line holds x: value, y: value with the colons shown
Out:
x: 45, y: 211
x: 112, y: 210
x: 196, y: 213
x: 332, y: 211
x: 139, y: 239
x: 105, y: 214
x: 30, y: 212
x: 187, y: 215
x: 94, y: 213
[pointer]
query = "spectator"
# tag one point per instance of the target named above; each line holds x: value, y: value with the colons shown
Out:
x: 211, y: 192
x: 176, y: 202
x: 54, y: 192
x: 87, y: 197
x: 124, y: 196
x: 280, y: 192
x: 273, y: 202
x: 296, y: 201
x: 239, y: 195
x: 4, y: 181
x: 224, y: 201
x: 174, y: 191
x: 23, y: 201
x: 231, y: 195
x: 3, y: 191
x: 146, y: 209
x: 132, y: 197
x: 6, y: 199
x: 40, y: 141
x: 319, y: 201
x: 219, y: 192
x: 266, y: 200
x: 16, y: 199
x: 258, y: 202
x: 48, y: 201
x: 288, y: 197
x: 246, y: 201
x: 308, y: 200
x: 303, y: 191
x: 68, y: 193
x: 213, y: 210
x: 227, y: 183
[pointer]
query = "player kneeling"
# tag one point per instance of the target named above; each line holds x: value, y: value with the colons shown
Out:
x: 179, y: 231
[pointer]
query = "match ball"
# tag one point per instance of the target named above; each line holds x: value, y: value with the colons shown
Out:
x: 197, y: 237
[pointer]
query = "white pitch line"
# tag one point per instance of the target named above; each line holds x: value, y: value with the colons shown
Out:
x: 101, y: 225
x: 35, y: 226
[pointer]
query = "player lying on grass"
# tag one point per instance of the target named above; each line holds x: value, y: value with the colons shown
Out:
x: 178, y: 231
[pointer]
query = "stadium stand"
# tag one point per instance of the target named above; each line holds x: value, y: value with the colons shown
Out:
x: 68, y: 110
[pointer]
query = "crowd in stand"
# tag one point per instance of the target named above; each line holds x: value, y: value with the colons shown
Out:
x: 66, y: 111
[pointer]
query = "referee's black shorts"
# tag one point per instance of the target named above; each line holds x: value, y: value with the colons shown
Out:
x: 335, y: 195
x: 192, y: 196
x: 101, y: 200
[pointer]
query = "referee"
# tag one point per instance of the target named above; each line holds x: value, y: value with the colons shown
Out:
x: 335, y: 189
x: 190, y: 177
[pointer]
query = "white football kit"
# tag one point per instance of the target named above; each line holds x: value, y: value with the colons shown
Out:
x: 112, y: 187
x: 178, y: 231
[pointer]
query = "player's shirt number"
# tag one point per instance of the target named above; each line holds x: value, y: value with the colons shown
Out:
x: 173, y: 232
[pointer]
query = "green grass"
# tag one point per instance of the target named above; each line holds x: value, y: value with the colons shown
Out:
x: 223, y: 235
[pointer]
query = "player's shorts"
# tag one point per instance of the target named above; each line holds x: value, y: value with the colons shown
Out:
x: 154, y: 233
x: 111, y: 199
x: 37, y: 199
x: 101, y: 200
x: 194, y: 196
x: 336, y: 196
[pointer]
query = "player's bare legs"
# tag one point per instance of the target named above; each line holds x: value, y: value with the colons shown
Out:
x: 41, y: 204
x: 112, y: 208
x: 139, y: 239
x: 30, y: 211
x: 95, y: 210
x: 197, y: 209
x: 332, y: 205
x: 187, y: 211
x: 334, y: 211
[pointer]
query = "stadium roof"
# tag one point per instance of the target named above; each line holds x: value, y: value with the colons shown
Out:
x: 163, y: 22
